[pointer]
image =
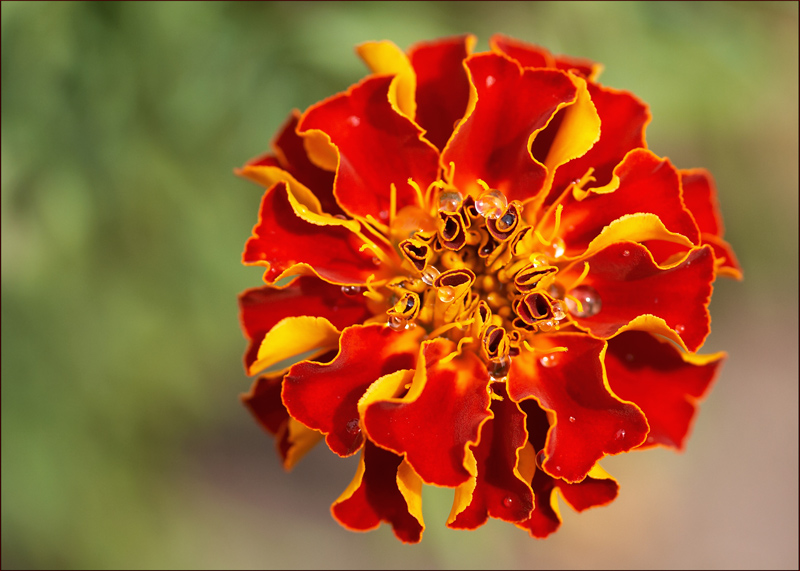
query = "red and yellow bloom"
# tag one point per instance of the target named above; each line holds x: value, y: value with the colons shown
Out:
x: 489, y: 282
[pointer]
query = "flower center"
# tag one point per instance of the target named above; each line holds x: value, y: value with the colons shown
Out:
x: 476, y: 272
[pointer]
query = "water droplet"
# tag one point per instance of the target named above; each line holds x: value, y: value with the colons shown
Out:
x: 429, y: 275
x: 557, y: 248
x: 352, y: 426
x: 626, y: 253
x: 620, y: 434
x: 446, y: 294
x: 550, y: 360
x: 590, y: 302
x: 506, y: 221
x: 545, y: 326
x: 498, y: 369
x: 572, y: 419
x: 558, y: 311
x: 351, y: 290
x: 341, y: 217
x: 540, y: 458
x: 508, y: 501
x: 354, y: 120
x: 490, y: 80
x: 491, y: 204
x: 397, y: 323
x: 450, y: 201
x: 538, y: 260
x: 650, y: 439
x: 680, y: 328
x: 556, y: 291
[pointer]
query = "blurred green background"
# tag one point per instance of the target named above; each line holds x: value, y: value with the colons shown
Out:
x: 124, y: 444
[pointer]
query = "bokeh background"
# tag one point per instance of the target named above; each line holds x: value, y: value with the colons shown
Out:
x: 124, y: 444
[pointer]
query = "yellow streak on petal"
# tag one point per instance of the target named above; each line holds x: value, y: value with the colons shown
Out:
x: 302, y: 439
x: 294, y: 336
x: 384, y: 57
x: 637, y: 227
x: 410, y: 485
x: 579, y: 131
x: 320, y: 149
x: 388, y: 386
x: 463, y: 493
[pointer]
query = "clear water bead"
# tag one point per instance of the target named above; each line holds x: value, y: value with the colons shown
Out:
x: 557, y: 248
x: 397, y: 323
x: 351, y: 290
x: 506, y: 221
x: 491, y: 204
x: 450, y: 201
x: 550, y: 360
x: 429, y: 275
x: 498, y: 369
x: 590, y: 302
x: 352, y: 426
x: 558, y: 310
x: 508, y: 501
x: 446, y: 294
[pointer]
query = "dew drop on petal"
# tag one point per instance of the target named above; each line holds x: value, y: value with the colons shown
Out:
x: 620, y: 434
x: 680, y: 328
x: 626, y: 253
x: 352, y: 426
x: 540, y: 458
x: 546, y: 326
x: 557, y: 248
x: 550, y: 360
x: 351, y: 290
x: 590, y: 301
x: 506, y: 221
x: 558, y: 311
x: 491, y: 204
x: 354, y: 120
x: 449, y: 201
x: 490, y: 80
x: 429, y: 275
x: 498, y: 369
x: 572, y: 419
x: 508, y: 501
x: 446, y: 294
x: 397, y: 323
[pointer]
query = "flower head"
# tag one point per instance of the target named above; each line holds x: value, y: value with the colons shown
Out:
x: 484, y: 281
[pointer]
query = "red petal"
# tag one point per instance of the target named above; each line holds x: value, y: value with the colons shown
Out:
x: 292, y: 439
x: 284, y: 243
x: 700, y: 197
x: 646, y: 184
x: 530, y: 55
x: 590, y: 422
x: 324, y: 396
x: 630, y: 284
x: 493, y: 142
x: 439, y: 417
x: 377, y: 147
x: 662, y: 381
x: 499, y: 492
x: 261, y: 308
x: 442, y: 85
x: 291, y: 156
x: 377, y: 498
x: 624, y: 119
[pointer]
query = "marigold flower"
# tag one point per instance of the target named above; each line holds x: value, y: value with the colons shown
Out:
x: 485, y: 281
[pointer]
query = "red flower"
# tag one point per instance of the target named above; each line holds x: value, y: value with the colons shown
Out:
x: 485, y: 280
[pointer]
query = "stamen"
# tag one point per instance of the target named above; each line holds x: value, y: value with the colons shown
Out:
x: 418, y: 190
x: 392, y: 202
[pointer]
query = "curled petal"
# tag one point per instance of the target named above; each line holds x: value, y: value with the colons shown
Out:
x: 453, y: 390
x: 700, y: 197
x: 377, y: 148
x: 385, y: 58
x: 663, y: 381
x: 508, y: 107
x: 442, y: 85
x: 642, y: 183
x: 500, y: 491
x: 263, y: 307
x: 287, y: 244
x: 384, y: 489
x: 293, y: 439
x: 293, y: 338
x: 567, y: 377
x: 324, y: 396
x: 290, y: 156
x: 530, y: 55
x: 636, y: 293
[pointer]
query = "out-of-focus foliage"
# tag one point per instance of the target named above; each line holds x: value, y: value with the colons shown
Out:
x: 123, y: 442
